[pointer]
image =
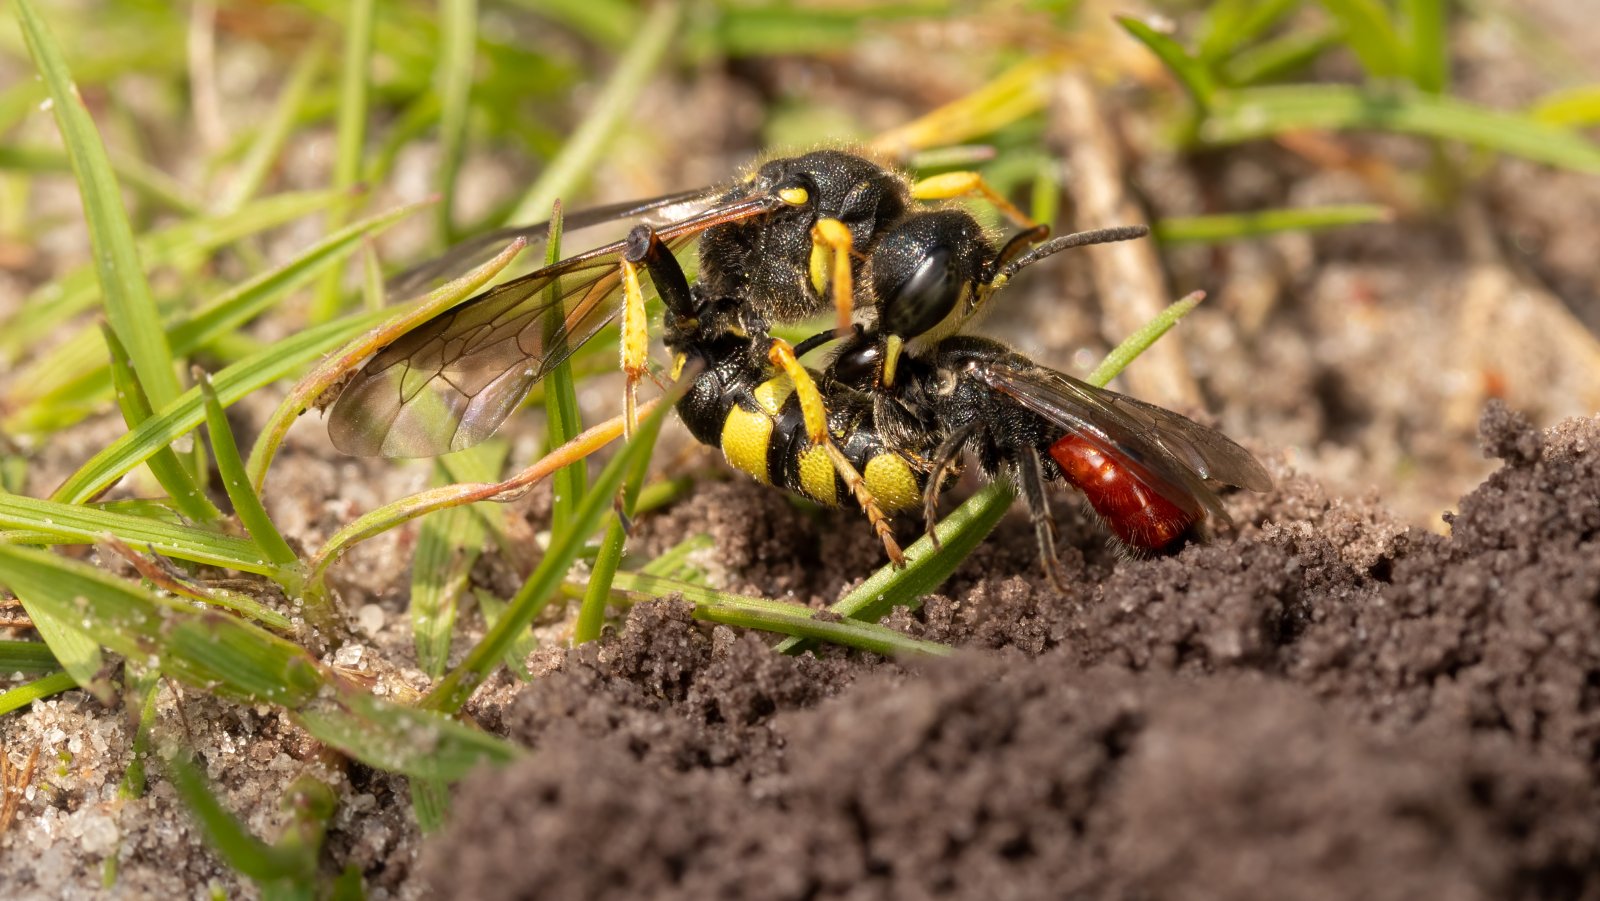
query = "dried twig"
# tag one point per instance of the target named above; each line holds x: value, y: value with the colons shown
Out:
x: 14, y: 784
x: 1128, y: 274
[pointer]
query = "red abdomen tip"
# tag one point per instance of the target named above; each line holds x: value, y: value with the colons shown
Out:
x: 1134, y: 510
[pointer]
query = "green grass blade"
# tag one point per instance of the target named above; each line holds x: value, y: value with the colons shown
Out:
x: 455, y: 688
x: 72, y: 647
x: 592, y: 612
x: 26, y: 657
x: 606, y: 22
x: 1137, y: 343
x: 280, y: 360
x: 969, y: 524
x: 1253, y: 113
x: 1229, y: 25
x: 76, y: 524
x: 246, y: 503
x: 142, y: 179
x: 231, y: 658
x: 522, y: 644
x: 1236, y: 226
x: 148, y: 687
x: 1570, y: 108
x: 562, y: 422
x: 37, y: 690
x: 1426, y: 28
x: 430, y: 801
x: 260, y: 862
x: 796, y: 620
x: 458, y: 36
x: 373, y: 294
x: 1190, y: 72
x: 164, y: 464
x: 128, y: 304
x: 417, y: 743
x: 181, y: 246
x: 926, y: 569
x: 355, y: 75
x: 256, y: 296
x: 1279, y: 58
x: 1371, y: 35
x: 274, y: 133
x: 216, y: 651
x: 611, y: 108
x: 673, y: 563
x: 448, y: 545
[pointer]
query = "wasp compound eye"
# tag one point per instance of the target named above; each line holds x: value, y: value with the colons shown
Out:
x: 923, y: 299
x: 923, y: 268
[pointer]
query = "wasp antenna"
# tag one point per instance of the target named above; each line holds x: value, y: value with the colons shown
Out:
x: 1067, y: 242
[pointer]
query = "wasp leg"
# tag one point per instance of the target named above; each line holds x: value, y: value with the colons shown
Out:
x: 812, y: 407
x: 943, y: 458
x: 869, y: 505
x: 950, y: 185
x: 815, y: 412
x: 820, y: 338
x: 645, y: 248
x: 1030, y: 478
x: 832, y: 237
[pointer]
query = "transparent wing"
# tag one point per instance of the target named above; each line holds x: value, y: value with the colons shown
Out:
x: 1174, y: 453
x: 464, y: 256
x: 450, y: 382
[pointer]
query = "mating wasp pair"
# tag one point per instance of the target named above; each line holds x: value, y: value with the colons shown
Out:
x: 905, y: 396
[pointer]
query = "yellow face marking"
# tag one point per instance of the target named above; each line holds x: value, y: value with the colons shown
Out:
x: 816, y: 476
x: 819, y: 266
x: 745, y: 436
x: 891, y: 358
x: 794, y: 196
x: 773, y: 392
x: 892, y: 483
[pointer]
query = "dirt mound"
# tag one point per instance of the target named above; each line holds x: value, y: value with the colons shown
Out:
x: 1327, y: 707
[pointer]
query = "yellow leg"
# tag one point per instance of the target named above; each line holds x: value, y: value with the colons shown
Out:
x: 832, y: 237
x: 809, y: 395
x: 815, y: 412
x: 635, y: 344
x: 869, y: 505
x: 951, y: 185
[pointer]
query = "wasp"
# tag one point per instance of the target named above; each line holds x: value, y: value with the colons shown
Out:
x: 909, y: 395
x: 938, y: 394
x: 779, y: 246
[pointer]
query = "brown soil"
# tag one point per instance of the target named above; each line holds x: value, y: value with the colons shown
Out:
x: 1328, y: 707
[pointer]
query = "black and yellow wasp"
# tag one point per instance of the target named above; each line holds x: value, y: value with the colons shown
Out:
x: 775, y: 248
x: 909, y: 395
x: 905, y: 396
x: 937, y: 394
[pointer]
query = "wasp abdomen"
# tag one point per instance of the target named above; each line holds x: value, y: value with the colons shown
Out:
x: 762, y: 433
x: 1131, y: 505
